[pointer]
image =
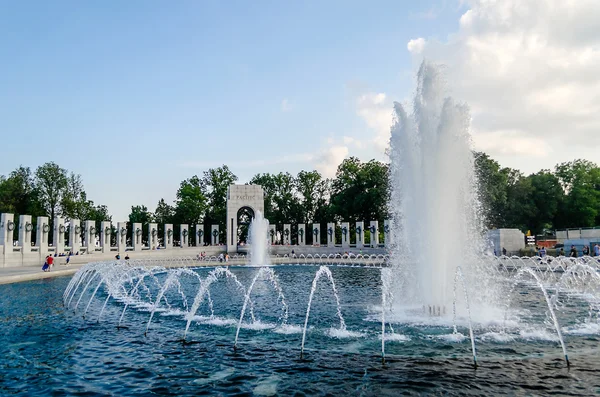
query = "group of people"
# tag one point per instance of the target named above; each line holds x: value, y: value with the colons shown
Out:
x: 573, y: 253
x: 118, y: 256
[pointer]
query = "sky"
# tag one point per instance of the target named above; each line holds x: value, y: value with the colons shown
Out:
x: 137, y: 96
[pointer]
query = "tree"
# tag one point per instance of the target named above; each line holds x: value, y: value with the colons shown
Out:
x: 217, y: 181
x: 191, y: 201
x: 18, y: 194
x: 139, y: 214
x: 164, y: 213
x: 548, y: 196
x: 51, y: 182
x: 360, y: 191
x: 580, y: 180
x: 492, y: 183
x: 314, y: 192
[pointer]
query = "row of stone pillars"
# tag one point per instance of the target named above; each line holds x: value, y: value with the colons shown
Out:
x: 76, y: 229
x: 315, y: 230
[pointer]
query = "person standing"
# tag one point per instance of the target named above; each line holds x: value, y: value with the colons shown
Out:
x: 586, y: 250
x: 50, y: 261
x: 596, y: 250
x: 573, y: 252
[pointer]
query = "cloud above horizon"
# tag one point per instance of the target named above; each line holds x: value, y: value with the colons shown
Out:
x: 529, y: 71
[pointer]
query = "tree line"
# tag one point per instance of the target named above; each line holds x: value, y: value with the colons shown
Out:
x: 566, y: 197
x: 48, y: 191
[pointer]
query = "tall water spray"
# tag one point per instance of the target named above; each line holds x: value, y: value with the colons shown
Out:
x: 433, y: 193
x: 259, y: 240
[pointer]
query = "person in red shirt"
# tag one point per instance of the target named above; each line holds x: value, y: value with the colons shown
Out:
x: 50, y: 261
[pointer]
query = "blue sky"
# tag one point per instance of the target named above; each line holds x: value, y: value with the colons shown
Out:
x: 138, y: 95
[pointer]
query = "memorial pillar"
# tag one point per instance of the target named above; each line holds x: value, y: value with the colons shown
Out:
x: 374, y: 229
x: 272, y: 233
x: 214, y: 233
x: 58, y: 240
x: 301, y: 234
x: 331, y: 234
x: 184, y: 233
x: 25, y: 232
x: 105, y: 233
x: 152, y: 236
x: 316, y: 231
x: 7, y: 223
x: 122, y: 238
x: 345, y: 235
x: 387, y: 233
x: 360, y: 234
x: 89, y: 236
x: 136, y: 236
x: 199, y: 235
x: 287, y: 233
x: 43, y: 232
x: 168, y: 239
x: 74, y: 236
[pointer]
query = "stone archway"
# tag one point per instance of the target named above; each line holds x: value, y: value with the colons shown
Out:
x: 244, y: 218
x: 247, y: 197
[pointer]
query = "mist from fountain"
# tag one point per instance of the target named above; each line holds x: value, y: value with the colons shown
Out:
x: 259, y: 240
x: 434, y: 205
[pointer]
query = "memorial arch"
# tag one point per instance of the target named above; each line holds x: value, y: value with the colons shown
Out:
x: 243, y: 202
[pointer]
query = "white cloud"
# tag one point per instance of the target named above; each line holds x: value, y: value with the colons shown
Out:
x: 285, y: 105
x: 529, y: 71
x: 416, y: 46
x: 376, y: 110
x: 328, y: 160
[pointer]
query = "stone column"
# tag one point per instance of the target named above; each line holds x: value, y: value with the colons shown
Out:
x: 105, y: 233
x: 316, y: 232
x: 7, y: 225
x: 374, y: 229
x: 287, y: 234
x: 214, y: 234
x: 42, y: 232
x: 74, y: 235
x: 122, y: 238
x: 25, y: 232
x: 89, y: 236
x: 301, y: 234
x: 330, y: 234
x: 184, y: 236
x: 136, y: 237
x: 199, y: 235
x: 360, y: 234
x: 387, y: 233
x: 345, y: 235
x: 58, y: 240
x: 152, y: 236
x: 168, y: 239
x: 272, y: 233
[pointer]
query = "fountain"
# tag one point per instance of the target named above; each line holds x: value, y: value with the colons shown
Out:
x: 259, y: 240
x: 433, y: 202
x: 434, y: 292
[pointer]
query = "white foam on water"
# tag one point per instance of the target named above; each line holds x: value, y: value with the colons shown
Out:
x: 218, y: 321
x: 267, y: 387
x: 583, y: 329
x: 452, y: 338
x: 171, y: 313
x: 289, y: 329
x: 258, y: 326
x: 396, y: 338
x: 498, y: 337
x: 215, y: 377
x: 538, y: 334
x: 344, y: 333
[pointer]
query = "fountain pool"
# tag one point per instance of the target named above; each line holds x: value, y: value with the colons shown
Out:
x: 88, y: 343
